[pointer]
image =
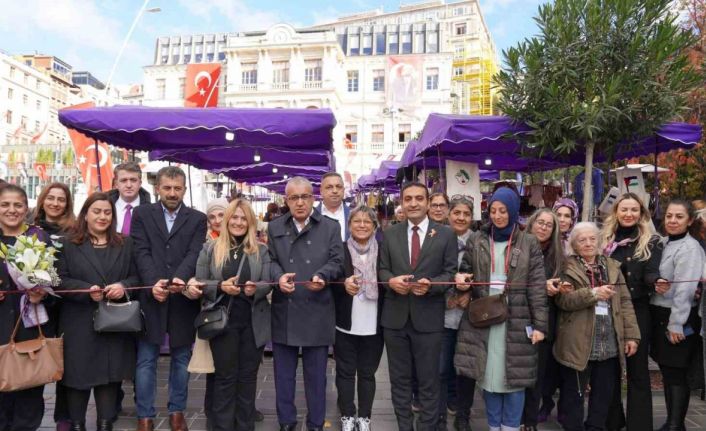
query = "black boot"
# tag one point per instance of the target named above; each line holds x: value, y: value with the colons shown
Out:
x: 104, y: 425
x: 678, y: 406
x: 668, y: 406
x: 461, y: 424
x: 78, y: 426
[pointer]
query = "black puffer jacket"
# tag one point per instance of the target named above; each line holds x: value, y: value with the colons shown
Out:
x: 527, y: 300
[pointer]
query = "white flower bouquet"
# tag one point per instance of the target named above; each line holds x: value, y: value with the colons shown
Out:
x: 31, y: 264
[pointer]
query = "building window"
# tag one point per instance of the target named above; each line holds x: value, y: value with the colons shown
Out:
x: 161, y: 89
x: 187, y: 58
x: 36, y: 126
x: 175, y: 54
x: 25, y: 100
x: 352, y: 81
x: 378, y: 80
x: 406, y: 43
x: 380, y: 43
x: 460, y: 29
x: 367, y: 44
x: 432, y: 42
x: 10, y: 93
x: 221, y: 56
x: 351, y: 142
x: 12, y: 72
x: 198, y: 53
x: 459, y: 11
x: 39, y: 105
x: 280, y: 75
x: 433, y: 78
x: 354, y: 40
x: 312, y: 73
x: 182, y: 87
x: 249, y: 74
x: 459, y: 51
x: 23, y: 122
x: 419, y: 42
x: 404, y: 134
x: 393, y: 43
x: 458, y: 71
x: 26, y: 80
x: 8, y: 117
x: 378, y: 137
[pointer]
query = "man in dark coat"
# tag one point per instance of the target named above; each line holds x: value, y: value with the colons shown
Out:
x: 414, y: 254
x: 168, y: 237
x: 307, y: 252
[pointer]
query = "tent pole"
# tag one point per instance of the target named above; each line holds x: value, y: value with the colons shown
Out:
x: 656, y: 186
x: 191, y: 193
x: 442, y: 178
x: 98, y: 166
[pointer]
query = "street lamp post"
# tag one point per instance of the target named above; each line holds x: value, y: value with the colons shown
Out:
x: 391, y: 112
x: 140, y: 12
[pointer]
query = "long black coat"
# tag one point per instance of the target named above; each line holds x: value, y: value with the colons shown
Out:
x: 91, y: 358
x: 162, y: 254
x: 10, y: 306
x: 640, y: 275
x: 304, y: 318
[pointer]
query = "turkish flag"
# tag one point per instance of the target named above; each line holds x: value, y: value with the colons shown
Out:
x: 85, y: 151
x: 201, y: 86
x: 41, y: 170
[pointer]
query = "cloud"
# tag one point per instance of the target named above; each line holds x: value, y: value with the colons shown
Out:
x: 238, y: 15
x: 75, y: 21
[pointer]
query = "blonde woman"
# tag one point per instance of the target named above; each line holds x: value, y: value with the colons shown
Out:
x: 237, y: 350
x: 628, y: 238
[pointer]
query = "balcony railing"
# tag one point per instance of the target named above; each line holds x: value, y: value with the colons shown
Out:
x: 312, y: 84
x: 248, y: 87
x: 280, y: 85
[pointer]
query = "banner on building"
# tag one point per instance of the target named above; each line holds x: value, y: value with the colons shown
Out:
x: 631, y: 180
x: 201, y: 86
x: 85, y: 149
x: 404, y: 86
x: 463, y: 179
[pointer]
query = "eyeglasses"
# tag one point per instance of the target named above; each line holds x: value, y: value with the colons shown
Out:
x: 462, y: 197
x: 296, y: 198
x: 544, y: 225
x: 439, y: 206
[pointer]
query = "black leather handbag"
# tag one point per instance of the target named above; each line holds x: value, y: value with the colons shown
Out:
x: 213, y: 319
x: 118, y: 317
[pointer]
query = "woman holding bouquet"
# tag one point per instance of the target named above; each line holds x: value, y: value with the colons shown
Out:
x: 98, y: 259
x: 19, y: 410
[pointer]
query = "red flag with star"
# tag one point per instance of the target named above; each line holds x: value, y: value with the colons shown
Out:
x: 85, y: 151
x: 201, y: 86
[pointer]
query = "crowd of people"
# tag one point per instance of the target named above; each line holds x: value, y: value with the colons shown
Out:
x: 526, y: 314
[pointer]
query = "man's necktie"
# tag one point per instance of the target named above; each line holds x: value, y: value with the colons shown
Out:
x: 127, y: 220
x: 416, y: 248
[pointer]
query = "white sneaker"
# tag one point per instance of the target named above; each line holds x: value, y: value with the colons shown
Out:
x: 347, y: 423
x: 363, y: 424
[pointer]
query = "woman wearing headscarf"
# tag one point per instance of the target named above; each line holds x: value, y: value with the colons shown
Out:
x: 502, y: 358
x: 215, y: 210
x: 567, y: 212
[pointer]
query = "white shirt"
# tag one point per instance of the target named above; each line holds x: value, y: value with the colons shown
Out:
x: 422, y: 232
x: 364, y: 313
x: 120, y: 209
x: 300, y: 227
x: 339, y: 216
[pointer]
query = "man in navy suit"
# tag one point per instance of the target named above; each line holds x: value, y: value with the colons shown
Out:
x: 332, y: 193
x: 168, y: 238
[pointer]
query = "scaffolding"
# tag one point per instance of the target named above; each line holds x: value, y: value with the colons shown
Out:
x: 475, y: 81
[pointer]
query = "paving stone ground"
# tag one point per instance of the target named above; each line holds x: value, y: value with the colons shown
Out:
x: 383, y: 415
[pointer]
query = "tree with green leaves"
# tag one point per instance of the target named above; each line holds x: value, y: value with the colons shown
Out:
x: 600, y: 72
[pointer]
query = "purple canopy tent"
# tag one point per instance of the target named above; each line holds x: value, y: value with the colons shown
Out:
x: 473, y: 138
x: 232, y: 137
x: 148, y: 128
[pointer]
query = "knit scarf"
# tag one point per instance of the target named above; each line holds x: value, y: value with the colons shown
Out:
x: 365, y: 269
x: 623, y: 236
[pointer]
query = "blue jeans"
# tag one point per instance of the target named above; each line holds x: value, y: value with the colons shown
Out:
x: 504, y: 409
x: 146, y: 378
